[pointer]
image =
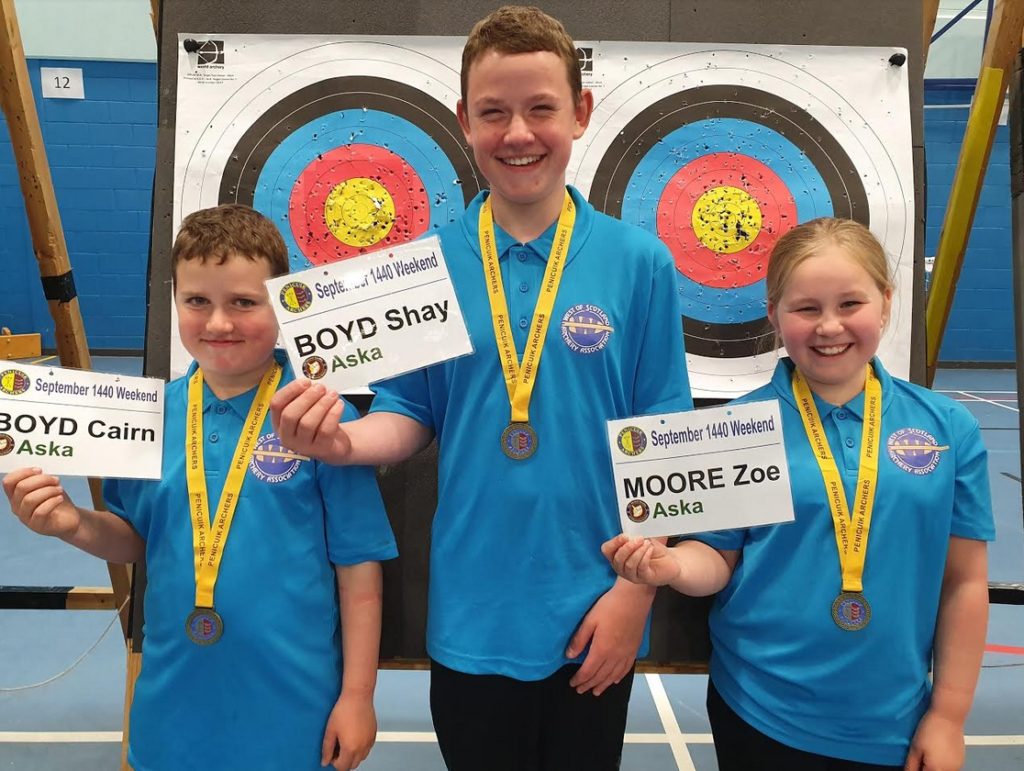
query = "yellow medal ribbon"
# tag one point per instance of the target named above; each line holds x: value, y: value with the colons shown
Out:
x: 852, y: 546
x: 208, y: 555
x: 520, y: 379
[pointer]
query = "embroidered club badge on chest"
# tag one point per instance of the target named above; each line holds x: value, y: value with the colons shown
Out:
x: 914, y: 450
x: 586, y: 329
x: 272, y: 462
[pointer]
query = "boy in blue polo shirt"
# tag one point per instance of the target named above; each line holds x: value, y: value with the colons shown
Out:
x: 527, y: 623
x: 241, y: 660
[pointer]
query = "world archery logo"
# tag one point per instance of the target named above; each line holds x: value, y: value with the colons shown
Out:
x: 14, y: 382
x: 208, y: 52
x: 295, y: 297
x: 272, y: 462
x: 632, y: 441
x: 586, y: 329
x: 914, y: 450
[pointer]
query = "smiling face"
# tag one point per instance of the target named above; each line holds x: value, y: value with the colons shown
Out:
x: 830, y: 316
x: 225, y: 320
x: 520, y: 118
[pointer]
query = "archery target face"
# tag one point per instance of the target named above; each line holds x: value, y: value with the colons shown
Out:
x: 721, y: 151
x: 348, y: 145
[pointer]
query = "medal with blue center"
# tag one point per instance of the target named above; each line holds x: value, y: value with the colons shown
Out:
x: 850, y: 610
x: 519, y: 440
x: 204, y: 626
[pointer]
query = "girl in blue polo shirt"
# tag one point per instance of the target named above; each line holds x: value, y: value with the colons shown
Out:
x: 824, y: 629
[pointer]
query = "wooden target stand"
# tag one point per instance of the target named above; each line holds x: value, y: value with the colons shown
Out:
x: 51, y: 253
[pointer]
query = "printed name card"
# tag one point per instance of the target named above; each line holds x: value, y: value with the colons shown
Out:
x: 368, y: 318
x: 712, y: 469
x: 68, y: 421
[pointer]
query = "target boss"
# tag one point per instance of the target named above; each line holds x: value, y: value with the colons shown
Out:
x: 360, y: 330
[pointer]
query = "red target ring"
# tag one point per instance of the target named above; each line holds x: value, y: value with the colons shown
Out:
x: 733, y: 252
x: 332, y: 220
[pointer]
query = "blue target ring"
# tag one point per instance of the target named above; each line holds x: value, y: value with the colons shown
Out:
x: 681, y: 137
x: 351, y: 111
x: 392, y: 132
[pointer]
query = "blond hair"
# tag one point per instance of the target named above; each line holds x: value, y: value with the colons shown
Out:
x: 522, y: 29
x: 810, y: 238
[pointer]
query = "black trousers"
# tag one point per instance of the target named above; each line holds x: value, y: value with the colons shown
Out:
x: 496, y: 723
x: 741, y: 747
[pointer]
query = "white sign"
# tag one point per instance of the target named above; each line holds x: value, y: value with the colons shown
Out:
x: 689, y: 472
x: 371, y: 317
x: 67, y: 421
x: 62, y: 82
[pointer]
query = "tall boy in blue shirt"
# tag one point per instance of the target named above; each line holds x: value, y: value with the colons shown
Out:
x: 526, y: 625
x: 241, y: 661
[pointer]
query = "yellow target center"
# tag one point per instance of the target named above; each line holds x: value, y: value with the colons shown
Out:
x: 726, y: 219
x: 359, y: 212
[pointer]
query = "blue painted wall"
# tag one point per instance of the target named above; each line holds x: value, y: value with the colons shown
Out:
x: 102, y: 151
x: 980, y: 326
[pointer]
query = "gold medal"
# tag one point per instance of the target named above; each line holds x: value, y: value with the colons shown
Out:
x: 519, y: 441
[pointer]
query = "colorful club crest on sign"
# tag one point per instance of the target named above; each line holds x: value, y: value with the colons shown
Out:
x: 586, y: 328
x: 632, y: 441
x: 638, y: 510
x: 14, y: 382
x: 315, y: 367
x: 295, y: 297
x: 272, y: 462
x: 914, y: 450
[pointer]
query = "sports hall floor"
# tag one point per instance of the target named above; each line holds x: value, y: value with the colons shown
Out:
x: 74, y: 723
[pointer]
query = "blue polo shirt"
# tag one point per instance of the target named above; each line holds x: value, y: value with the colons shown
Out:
x: 779, y: 660
x: 260, y: 697
x: 515, y: 555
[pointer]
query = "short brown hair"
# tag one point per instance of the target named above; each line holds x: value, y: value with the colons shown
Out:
x: 522, y: 29
x: 226, y: 230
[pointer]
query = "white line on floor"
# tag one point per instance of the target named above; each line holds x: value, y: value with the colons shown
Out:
x: 974, y: 398
x: 428, y: 737
x: 668, y: 721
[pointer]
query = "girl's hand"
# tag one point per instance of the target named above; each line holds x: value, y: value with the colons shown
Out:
x: 642, y: 560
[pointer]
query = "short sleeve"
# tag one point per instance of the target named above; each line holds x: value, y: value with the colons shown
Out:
x: 662, y: 382
x: 122, y: 498
x: 407, y: 395
x: 972, y: 497
x: 356, y: 524
x: 723, y: 540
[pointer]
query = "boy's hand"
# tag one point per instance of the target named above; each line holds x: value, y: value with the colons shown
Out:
x: 351, y: 732
x: 38, y: 500
x: 306, y: 419
x: 938, y: 745
x: 641, y: 560
x: 614, y: 629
